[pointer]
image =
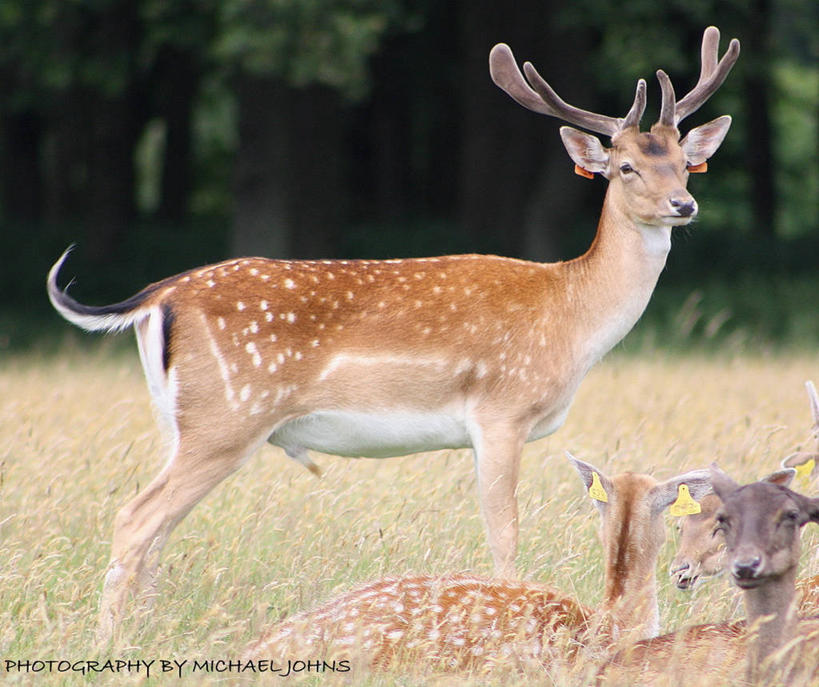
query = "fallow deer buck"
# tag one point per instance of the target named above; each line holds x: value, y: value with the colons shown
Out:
x: 761, y: 523
x: 701, y: 551
x: 385, y: 358
x: 462, y: 621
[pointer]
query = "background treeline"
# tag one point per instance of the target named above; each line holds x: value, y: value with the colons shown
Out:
x: 160, y: 134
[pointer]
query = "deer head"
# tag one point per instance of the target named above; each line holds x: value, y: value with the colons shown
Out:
x: 760, y: 523
x: 701, y: 551
x: 648, y: 171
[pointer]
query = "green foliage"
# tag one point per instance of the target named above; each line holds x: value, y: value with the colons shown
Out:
x: 796, y: 103
x: 306, y: 41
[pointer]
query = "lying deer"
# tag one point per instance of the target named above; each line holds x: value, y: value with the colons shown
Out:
x: 455, y: 621
x: 761, y: 524
x: 701, y: 550
x: 386, y: 358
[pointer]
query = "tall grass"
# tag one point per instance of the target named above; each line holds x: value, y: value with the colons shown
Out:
x: 77, y: 439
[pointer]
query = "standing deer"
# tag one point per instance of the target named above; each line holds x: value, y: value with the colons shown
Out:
x: 385, y: 358
x: 463, y: 621
x: 761, y: 523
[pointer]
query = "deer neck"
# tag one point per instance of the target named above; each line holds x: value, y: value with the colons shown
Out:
x: 631, y: 606
x: 610, y: 285
x: 630, y: 585
x: 771, y: 612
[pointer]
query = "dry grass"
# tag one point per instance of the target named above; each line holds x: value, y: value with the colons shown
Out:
x: 77, y: 438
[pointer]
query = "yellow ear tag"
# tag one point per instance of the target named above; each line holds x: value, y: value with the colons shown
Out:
x: 698, y: 169
x: 685, y: 504
x: 803, y: 472
x: 596, y: 490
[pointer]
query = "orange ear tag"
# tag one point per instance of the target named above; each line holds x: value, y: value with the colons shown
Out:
x: 583, y: 172
x: 698, y: 169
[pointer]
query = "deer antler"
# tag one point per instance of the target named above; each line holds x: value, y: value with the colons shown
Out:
x: 541, y: 97
x: 712, y: 74
x: 814, y: 406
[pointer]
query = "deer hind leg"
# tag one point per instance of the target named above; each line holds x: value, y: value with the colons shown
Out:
x: 144, y: 524
x: 497, y: 461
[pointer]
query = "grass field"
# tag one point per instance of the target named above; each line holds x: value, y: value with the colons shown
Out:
x: 77, y: 439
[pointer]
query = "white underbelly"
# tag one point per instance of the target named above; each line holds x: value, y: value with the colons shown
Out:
x: 371, y: 435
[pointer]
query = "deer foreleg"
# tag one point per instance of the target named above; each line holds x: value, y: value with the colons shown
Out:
x: 497, y: 460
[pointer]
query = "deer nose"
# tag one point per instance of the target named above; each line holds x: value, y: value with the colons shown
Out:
x: 746, y: 568
x: 684, y: 208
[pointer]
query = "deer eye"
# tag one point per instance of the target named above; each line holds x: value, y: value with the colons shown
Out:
x: 626, y: 168
x: 721, y: 525
x: 790, y: 517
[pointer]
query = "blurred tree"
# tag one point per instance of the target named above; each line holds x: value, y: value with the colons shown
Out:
x: 178, y: 38
x: 292, y: 63
x: 517, y: 190
x: 760, y: 136
x: 85, y: 78
x: 302, y: 118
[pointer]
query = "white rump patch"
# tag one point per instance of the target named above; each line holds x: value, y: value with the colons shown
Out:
x: 151, y: 344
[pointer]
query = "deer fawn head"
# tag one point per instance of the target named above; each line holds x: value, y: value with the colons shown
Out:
x: 648, y: 171
x: 632, y: 530
x: 701, y: 550
x: 760, y: 523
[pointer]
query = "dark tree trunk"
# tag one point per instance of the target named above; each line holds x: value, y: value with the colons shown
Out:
x: 317, y: 193
x: 179, y: 77
x: 118, y: 117
x: 111, y: 174
x: 382, y: 140
x: 758, y: 87
x: 288, y: 177
x: 516, y: 184
x: 563, y: 208
x: 69, y: 145
x: 260, y: 219
x: 22, y: 181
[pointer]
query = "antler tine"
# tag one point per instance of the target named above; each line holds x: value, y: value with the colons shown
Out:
x: 712, y: 73
x: 814, y: 406
x: 709, y: 52
x: 668, y: 109
x: 635, y: 114
x: 543, y: 99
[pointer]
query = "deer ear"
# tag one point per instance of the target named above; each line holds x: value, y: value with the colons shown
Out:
x: 586, y: 150
x: 781, y: 477
x: 813, y: 509
x: 599, y: 486
x: 666, y: 493
x: 702, y: 142
x: 723, y: 485
x: 808, y: 505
